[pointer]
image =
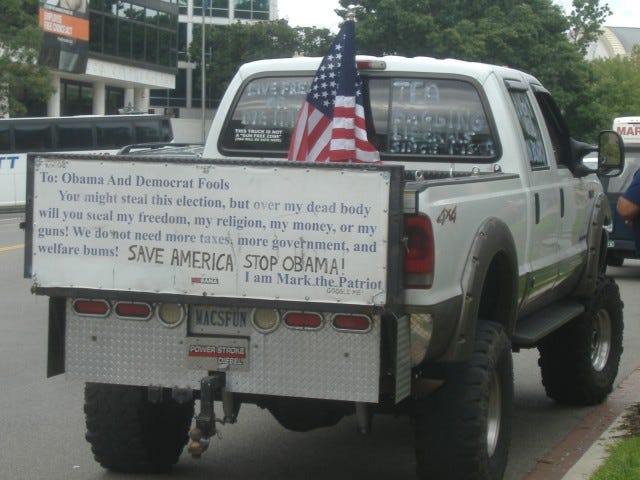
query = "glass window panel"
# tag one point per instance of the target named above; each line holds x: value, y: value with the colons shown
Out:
x: 164, y: 19
x: 265, y: 115
x: 97, y: 5
x: 152, y: 45
x: 148, y: 132
x: 429, y: 117
x: 220, y: 8
x: 95, y: 33
x: 123, y: 9
x: 5, y: 139
x: 530, y: 129
x: 164, y: 53
x: 113, y: 6
x: 114, y: 135
x: 138, y: 37
x: 136, y: 12
x: 33, y: 138
x: 152, y: 16
x: 261, y: 6
x: 124, y: 39
x: 74, y: 135
x: 110, y: 36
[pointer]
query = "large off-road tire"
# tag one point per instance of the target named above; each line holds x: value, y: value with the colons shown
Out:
x: 579, y: 362
x: 129, y: 434
x: 462, y: 430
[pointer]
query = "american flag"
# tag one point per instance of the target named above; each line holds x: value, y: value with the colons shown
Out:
x: 331, y: 125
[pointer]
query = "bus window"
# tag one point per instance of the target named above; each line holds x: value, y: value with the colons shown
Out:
x: 115, y: 134
x: 33, y: 138
x: 5, y: 139
x: 74, y: 135
x: 148, y: 132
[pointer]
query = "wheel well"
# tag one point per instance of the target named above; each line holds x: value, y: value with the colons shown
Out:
x: 498, y: 292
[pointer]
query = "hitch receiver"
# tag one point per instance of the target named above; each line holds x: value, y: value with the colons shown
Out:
x: 206, y: 420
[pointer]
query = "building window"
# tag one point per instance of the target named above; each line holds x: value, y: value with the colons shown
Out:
x: 76, y: 98
x: 172, y: 98
x: 131, y: 31
x: 114, y: 100
x: 252, y: 9
x: 217, y: 8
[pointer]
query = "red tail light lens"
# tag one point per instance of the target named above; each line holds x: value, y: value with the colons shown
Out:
x: 419, y: 254
x: 352, y: 323
x: 371, y: 64
x: 97, y: 308
x: 133, y: 310
x: 308, y: 321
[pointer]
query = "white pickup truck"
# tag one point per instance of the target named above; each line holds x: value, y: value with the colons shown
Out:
x: 323, y: 290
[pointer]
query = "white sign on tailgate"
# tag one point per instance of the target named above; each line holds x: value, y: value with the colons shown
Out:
x: 248, y: 230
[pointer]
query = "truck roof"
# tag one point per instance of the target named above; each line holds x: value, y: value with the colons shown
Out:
x: 476, y: 70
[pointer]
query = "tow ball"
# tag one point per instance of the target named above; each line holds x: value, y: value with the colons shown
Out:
x: 210, y: 387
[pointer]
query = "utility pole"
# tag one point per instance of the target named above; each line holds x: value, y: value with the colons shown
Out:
x: 205, y: 7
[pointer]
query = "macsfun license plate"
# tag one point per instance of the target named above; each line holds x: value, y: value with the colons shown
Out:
x: 212, y: 320
x: 218, y: 353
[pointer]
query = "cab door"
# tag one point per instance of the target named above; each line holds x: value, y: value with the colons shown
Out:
x: 576, y: 193
x: 543, y: 191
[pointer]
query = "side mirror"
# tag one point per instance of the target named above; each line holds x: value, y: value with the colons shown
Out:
x: 610, y: 154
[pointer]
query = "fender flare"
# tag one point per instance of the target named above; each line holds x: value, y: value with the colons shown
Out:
x: 596, y: 248
x: 492, y: 240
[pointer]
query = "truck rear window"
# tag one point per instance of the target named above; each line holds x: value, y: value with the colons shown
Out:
x: 406, y: 117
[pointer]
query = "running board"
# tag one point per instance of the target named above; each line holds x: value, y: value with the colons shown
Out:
x: 530, y: 330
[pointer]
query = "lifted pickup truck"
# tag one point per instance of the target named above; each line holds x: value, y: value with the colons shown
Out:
x: 322, y: 290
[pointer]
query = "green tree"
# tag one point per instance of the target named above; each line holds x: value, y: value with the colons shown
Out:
x: 615, y: 83
x: 585, y: 20
x: 530, y: 35
x: 229, y: 46
x: 22, y: 80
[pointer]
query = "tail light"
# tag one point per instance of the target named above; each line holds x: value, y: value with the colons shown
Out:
x: 133, y: 310
x: 419, y: 256
x: 303, y: 320
x: 93, y: 308
x: 351, y: 323
x: 370, y: 64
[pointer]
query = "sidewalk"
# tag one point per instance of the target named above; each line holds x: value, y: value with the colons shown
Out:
x: 583, y: 450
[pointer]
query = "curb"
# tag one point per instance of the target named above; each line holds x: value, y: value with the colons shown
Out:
x: 582, y: 451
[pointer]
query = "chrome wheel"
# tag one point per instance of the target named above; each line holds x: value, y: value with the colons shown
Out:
x: 494, y: 413
x: 600, y: 340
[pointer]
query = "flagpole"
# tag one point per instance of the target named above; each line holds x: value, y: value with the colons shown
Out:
x: 205, y: 4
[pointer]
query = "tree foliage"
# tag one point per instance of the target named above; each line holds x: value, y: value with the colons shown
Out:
x: 530, y: 35
x: 614, y: 86
x: 22, y: 80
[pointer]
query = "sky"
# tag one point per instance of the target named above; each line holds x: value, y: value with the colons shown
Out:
x: 307, y: 13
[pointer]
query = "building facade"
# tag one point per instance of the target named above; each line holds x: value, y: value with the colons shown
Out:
x: 135, y: 55
x: 131, y: 48
x: 185, y: 98
x: 613, y: 42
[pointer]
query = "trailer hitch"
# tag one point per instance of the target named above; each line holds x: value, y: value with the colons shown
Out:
x: 206, y: 420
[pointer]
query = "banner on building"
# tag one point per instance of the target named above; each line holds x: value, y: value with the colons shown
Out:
x: 66, y: 34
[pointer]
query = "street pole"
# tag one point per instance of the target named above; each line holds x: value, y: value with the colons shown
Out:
x: 205, y: 6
